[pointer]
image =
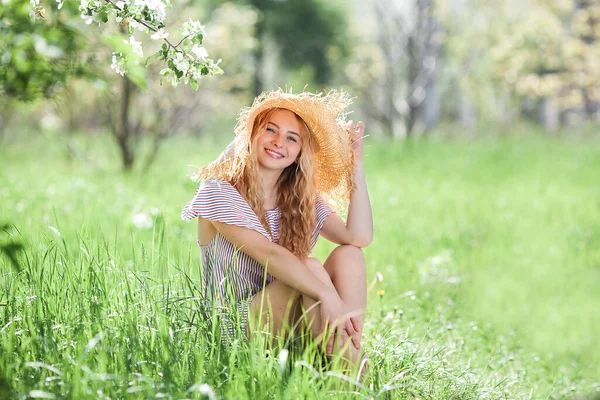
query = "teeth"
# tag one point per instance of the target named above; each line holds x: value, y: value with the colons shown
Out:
x: 274, y: 154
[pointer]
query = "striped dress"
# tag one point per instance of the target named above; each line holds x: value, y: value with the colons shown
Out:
x: 230, y: 277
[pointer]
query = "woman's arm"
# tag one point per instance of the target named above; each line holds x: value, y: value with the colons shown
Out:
x: 286, y: 267
x: 358, y: 229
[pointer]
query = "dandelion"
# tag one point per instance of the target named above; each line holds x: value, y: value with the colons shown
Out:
x: 203, y: 389
x: 380, y: 293
x: 283, y: 356
x: 40, y: 394
x: 142, y: 221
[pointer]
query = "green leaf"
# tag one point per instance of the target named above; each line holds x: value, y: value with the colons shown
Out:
x: 194, y: 84
x: 153, y: 58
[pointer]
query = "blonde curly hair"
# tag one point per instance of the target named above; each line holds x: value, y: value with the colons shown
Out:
x: 296, y: 192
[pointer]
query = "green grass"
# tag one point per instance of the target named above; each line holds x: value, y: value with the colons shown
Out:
x: 489, y: 252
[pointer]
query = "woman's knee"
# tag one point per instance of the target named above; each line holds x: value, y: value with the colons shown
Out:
x: 347, y: 258
x: 349, y: 251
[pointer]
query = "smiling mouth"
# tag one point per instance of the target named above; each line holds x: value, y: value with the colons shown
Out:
x: 273, y: 154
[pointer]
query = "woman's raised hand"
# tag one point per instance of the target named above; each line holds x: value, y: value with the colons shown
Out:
x: 356, y: 138
x: 337, y: 322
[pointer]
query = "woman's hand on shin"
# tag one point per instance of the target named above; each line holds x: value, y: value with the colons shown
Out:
x: 338, y: 323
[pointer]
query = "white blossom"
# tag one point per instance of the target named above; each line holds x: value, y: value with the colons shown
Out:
x: 118, y: 63
x: 192, y: 28
x: 181, y: 63
x: 135, y: 46
x: 87, y: 18
x: 188, y: 64
x: 200, y: 52
x: 160, y: 34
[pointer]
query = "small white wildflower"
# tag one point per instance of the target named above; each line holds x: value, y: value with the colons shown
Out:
x: 60, y: 3
x: 160, y: 34
x: 154, y: 211
x: 283, y: 356
x: 40, y: 394
x: 142, y: 221
x: 203, y: 389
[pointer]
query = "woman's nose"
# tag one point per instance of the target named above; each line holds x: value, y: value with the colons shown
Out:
x: 277, y: 141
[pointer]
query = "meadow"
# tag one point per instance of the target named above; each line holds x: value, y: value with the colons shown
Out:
x: 484, y: 276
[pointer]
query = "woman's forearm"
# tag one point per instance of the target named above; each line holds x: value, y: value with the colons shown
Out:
x: 286, y: 267
x: 277, y: 260
x: 360, y: 215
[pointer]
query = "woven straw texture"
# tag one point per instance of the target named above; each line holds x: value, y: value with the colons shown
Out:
x: 323, y: 113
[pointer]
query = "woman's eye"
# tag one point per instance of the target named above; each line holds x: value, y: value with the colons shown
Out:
x: 293, y: 139
x: 271, y: 130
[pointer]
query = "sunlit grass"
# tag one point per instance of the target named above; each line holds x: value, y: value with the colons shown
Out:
x: 489, y: 254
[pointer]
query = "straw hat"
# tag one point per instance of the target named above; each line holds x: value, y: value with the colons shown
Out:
x: 323, y: 114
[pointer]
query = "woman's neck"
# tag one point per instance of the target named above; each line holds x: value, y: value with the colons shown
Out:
x: 269, y: 186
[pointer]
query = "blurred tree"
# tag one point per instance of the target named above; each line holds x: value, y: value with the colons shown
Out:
x: 306, y: 32
x: 37, y: 59
x: 553, y: 57
x: 397, y: 79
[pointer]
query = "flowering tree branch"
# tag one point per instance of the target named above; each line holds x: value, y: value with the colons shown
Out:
x: 187, y: 61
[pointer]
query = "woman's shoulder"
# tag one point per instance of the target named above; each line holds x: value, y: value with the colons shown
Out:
x: 218, y: 184
x: 219, y: 188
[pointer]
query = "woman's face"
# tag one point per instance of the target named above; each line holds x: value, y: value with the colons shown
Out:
x: 279, y: 144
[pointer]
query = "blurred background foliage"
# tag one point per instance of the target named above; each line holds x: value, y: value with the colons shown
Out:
x: 412, y: 65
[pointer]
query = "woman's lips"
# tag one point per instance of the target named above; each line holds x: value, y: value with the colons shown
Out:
x: 273, y: 154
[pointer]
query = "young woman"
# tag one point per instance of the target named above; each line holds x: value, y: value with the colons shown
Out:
x: 261, y: 207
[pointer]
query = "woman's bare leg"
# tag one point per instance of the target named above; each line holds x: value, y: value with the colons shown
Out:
x: 277, y: 302
x: 271, y: 310
x: 344, y: 269
x: 347, y: 268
